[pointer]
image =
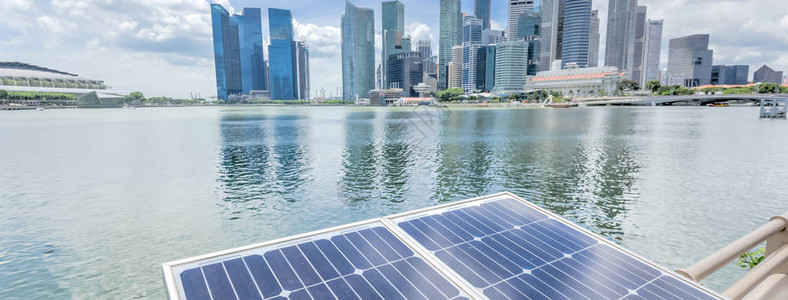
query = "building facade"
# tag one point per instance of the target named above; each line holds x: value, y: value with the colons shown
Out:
x: 517, y: 8
x: 575, y: 18
x: 578, y: 83
x: 227, y: 56
x: 471, y: 43
x: 548, y: 37
x: 638, y: 59
x: 490, y: 37
x: 302, y: 71
x: 766, y: 74
x: 593, y: 40
x: 384, y: 97
x: 690, y: 61
x: 652, y: 52
x: 358, y: 52
x: 730, y: 75
x: 456, y: 67
x: 393, y: 18
x: 450, y: 36
x: 481, y: 9
x: 619, y: 50
x: 510, y: 67
x: 282, y: 56
x: 406, y: 70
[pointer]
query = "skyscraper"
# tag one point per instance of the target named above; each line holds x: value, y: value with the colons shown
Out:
x: 489, y: 66
x: 456, y: 69
x: 481, y: 9
x: 690, y: 61
x: 653, y: 52
x: 548, y: 37
x: 510, y: 67
x: 490, y: 36
x: 393, y: 17
x: 302, y: 70
x: 450, y: 36
x: 638, y: 59
x: 281, y: 54
x: 593, y: 40
x: 529, y: 29
x: 238, y: 51
x: 517, y: 8
x: 471, y: 42
x: 406, y: 70
x: 358, y: 52
x: 620, y: 51
x: 425, y: 48
x: 575, y: 18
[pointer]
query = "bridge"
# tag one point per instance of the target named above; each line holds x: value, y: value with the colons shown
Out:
x: 671, y: 100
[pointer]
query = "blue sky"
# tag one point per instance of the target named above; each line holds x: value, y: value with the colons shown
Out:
x: 163, y: 47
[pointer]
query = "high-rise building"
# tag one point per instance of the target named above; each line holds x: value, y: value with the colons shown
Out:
x: 406, y: 70
x: 358, y: 52
x: 510, y: 67
x: 238, y: 52
x: 489, y: 67
x: 481, y: 68
x: 593, y: 40
x: 638, y: 59
x: 302, y: 70
x: 766, y: 74
x: 528, y: 31
x: 729, y: 75
x: 450, y: 36
x: 282, y: 56
x: 471, y: 42
x: 690, y: 61
x: 481, y: 9
x: 393, y: 18
x: 517, y: 8
x: 653, y: 51
x: 548, y: 36
x: 490, y: 37
x: 456, y: 69
x: 620, y: 51
x: 575, y: 16
x: 425, y: 48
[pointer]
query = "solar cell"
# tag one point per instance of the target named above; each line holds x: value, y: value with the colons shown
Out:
x: 506, y: 249
x: 364, y: 263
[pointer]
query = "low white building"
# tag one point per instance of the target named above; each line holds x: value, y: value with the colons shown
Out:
x: 578, y: 83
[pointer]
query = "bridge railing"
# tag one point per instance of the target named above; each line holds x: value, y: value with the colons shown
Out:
x: 776, y: 236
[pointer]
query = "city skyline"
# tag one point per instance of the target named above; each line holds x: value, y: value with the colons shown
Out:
x: 176, y: 57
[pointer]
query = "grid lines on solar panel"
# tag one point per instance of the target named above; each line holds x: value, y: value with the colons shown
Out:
x: 370, y: 263
x: 508, y: 250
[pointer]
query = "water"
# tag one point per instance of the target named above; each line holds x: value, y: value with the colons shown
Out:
x: 93, y: 201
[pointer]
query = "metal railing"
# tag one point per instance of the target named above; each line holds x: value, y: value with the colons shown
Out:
x: 776, y: 236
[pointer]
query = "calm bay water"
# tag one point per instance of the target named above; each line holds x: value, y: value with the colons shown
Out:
x: 93, y: 201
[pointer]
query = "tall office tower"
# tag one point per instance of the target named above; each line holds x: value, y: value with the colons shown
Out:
x: 406, y: 70
x: 491, y: 37
x: 481, y: 9
x: 517, y: 8
x: 575, y: 17
x: 481, y: 68
x: 690, y: 61
x: 639, y: 46
x: 281, y: 55
x: 729, y: 75
x: 450, y: 36
x: 471, y: 42
x: 456, y: 70
x: 510, y: 67
x: 593, y: 40
x: 653, y: 52
x: 528, y: 32
x: 489, y: 65
x: 302, y: 70
x: 766, y: 74
x: 425, y: 48
x: 548, y: 36
x: 358, y: 52
x: 393, y: 32
x: 238, y: 51
x: 379, y: 78
x: 620, y: 52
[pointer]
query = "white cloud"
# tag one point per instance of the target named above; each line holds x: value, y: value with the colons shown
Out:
x: 322, y: 40
x: 495, y: 25
x: 419, y: 32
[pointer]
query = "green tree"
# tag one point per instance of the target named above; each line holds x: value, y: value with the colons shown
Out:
x: 653, y: 85
x: 628, y: 85
x: 450, y: 94
x: 135, y: 97
x: 3, y: 94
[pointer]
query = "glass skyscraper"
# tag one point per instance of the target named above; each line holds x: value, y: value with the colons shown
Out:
x: 281, y: 55
x: 393, y: 19
x: 576, y: 30
x: 358, y: 52
x: 238, y: 51
x: 481, y: 8
x: 450, y: 36
x: 471, y: 42
x: 226, y: 53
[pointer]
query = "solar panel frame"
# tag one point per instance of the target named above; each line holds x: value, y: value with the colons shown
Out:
x: 393, y: 221
x: 171, y: 271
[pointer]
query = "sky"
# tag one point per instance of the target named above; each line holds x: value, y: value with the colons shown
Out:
x: 163, y: 47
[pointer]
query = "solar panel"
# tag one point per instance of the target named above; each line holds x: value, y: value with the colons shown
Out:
x: 507, y: 249
x: 365, y: 262
x: 494, y: 247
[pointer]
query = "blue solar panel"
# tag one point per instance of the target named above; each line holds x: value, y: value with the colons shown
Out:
x: 364, y: 263
x: 509, y: 250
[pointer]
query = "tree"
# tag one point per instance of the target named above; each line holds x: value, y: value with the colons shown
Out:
x: 653, y: 85
x: 628, y: 85
x: 3, y: 94
x: 450, y: 94
x: 135, y: 97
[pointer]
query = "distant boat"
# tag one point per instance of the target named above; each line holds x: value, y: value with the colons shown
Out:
x: 484, y: 104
